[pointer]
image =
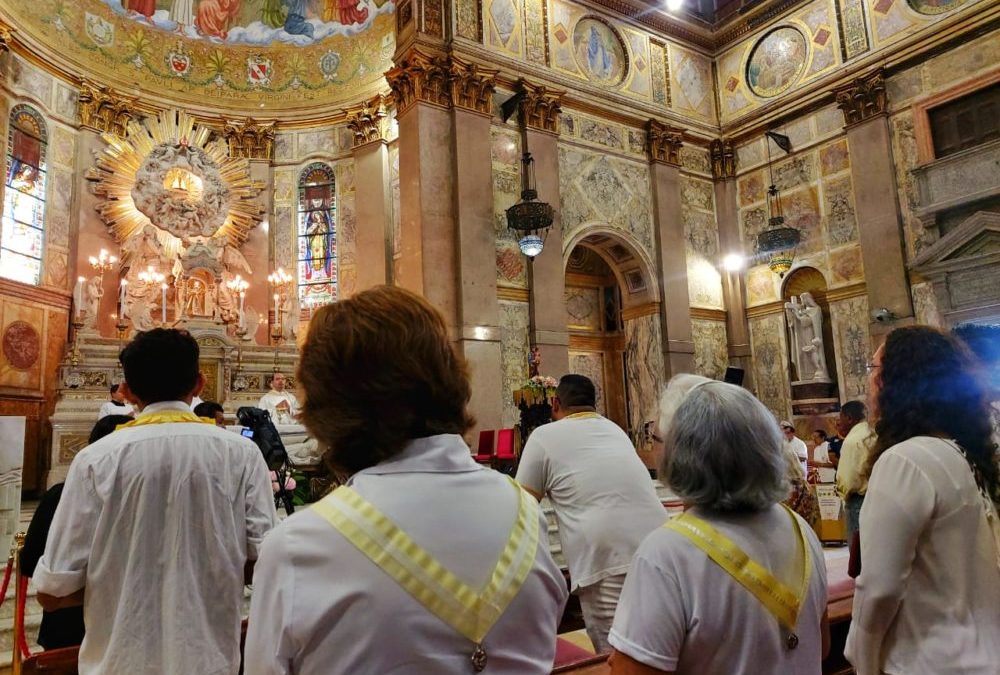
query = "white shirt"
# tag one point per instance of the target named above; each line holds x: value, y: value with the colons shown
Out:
x: 602, y: 494
x: 282, y: 405
x: 679, y: 611
x: 821, y: 453
x: 321, y: 607
x: 196, y: 401
x: 157, y: 522
x: 798, y: 448
x: 112, y: 408
x: 928, y: 598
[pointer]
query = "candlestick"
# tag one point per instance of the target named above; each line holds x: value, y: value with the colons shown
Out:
x: 78, y: 296
x: 277, y: 317
x: 163, y: 305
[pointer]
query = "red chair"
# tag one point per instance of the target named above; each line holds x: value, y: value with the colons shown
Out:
x: 53, y: 662
x: 484, y: 453
x: 506, y: 459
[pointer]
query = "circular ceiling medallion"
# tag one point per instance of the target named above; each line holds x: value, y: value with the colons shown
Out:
x: 776, y: 61
x: 21, y: 345
x: 599, y: 51
x: 934, y: 6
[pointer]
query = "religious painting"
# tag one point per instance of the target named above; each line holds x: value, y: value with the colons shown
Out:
x: 252, y: 22
x: 776, y: 61
x: 599, y: 51
x: 22, y: 236
x: 317, y: 238
x: 935, y: 6
x: 21, y: 327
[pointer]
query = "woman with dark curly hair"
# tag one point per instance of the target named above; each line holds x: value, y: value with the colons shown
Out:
x: 928, y: 598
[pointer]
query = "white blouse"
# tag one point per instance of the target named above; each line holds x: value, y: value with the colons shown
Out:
x: 928, y: 598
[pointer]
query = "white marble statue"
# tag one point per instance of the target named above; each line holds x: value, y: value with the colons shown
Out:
x: 92, y: 294
x: 306, y: 453
x: 805, y: 321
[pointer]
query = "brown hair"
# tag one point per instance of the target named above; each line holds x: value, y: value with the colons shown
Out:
x: 378, y: 370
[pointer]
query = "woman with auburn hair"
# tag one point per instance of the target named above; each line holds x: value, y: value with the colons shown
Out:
x: 423, y: 562
x: 928, y: 598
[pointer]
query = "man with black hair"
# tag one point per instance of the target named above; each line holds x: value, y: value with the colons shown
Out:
x: 602, y: 495
x: 852, y: 483
x: 160, y: 524
x: 212, y: 411
x: 117, y: 405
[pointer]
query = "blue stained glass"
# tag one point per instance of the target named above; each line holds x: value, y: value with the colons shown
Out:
x: 22, y: 237
x: 25, y: 178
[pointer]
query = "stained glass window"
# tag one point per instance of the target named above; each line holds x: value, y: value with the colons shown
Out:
x: 22, y: 235
x: 317, y: 240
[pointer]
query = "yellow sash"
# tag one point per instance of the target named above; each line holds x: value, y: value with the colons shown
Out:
x: 581, y: 416
x: 779, y: 599
x: 165, y: 417
x: 470, y: 611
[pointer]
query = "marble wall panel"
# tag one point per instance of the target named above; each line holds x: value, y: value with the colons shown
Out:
x: 841, y: 221
x: 658, y: 73
x: 853, y: 28
x: 711, y: 353
x: 691, y: 83
x: 535, y: 46
x: 599, y: 188
x: 284, y: 147
x: 513, y: 356
x: 802, y: 212
x: 643, y: 371
x: 467, y: 19
x: 27, y: 80
x: 591, y: 365
x: 834, y: 158
x: 925, y: 305
x: 905, y: 156
x: 762, y: 286
x: 503, y: 26
x: 318, y: 142
x: 701, y: 243
x: 64, y: 102
x: 852, y: 345
x: 584, y: 308
x: 395, y: 234
x: 505, y: 155
x: 696, y: 159
x: 846, y: 265
x: 770, y: 363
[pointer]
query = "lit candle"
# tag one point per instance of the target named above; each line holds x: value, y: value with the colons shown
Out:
x: 78, y: 296
x: 277, y: 317
x: 163, y: 304
x: 121, y: 292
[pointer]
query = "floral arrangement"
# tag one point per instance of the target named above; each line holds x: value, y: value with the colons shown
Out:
x: 289, y: 482
x: 542, y: 382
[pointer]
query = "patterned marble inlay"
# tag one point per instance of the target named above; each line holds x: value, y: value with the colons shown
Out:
x: 711, y: 353
x: 770, y: 362
x: 591, y: 365
x: 852, y: 344
x: 643, y: 371
x: 513, y: 356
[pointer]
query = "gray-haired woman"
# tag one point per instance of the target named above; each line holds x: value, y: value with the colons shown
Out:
x: 737, y: 584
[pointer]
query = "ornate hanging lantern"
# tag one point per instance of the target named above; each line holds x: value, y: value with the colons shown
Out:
x: 777, y: 242
x: 529, y: 218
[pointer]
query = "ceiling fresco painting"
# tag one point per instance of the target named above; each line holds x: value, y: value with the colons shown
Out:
x: 282, y: 54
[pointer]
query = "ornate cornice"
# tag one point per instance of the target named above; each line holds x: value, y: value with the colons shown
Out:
x: 658, y: 22
x: 472, y: 86
x: 723, y: 159
x: 540, y: 106
x: 863, y: 99
x: 103, y: 110
x: 369, y: 122
x: 249, y: 138
x: 663, y: 143
x: 6, y: 37
x: 420, y: 76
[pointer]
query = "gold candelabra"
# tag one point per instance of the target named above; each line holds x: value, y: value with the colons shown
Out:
x: 281, y: 282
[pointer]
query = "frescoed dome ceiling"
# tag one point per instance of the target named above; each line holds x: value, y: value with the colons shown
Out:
x: 298, y: 57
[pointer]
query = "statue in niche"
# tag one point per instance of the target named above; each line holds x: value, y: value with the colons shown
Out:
x: 805, y: 321
x: 195, y: 300
x: 142, y: 251
x: 92, y: 294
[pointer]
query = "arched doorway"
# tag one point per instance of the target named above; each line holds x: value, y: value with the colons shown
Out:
x: 613, y: 325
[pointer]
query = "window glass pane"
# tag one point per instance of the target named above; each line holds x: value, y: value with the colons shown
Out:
x: 20, y: 268
x: 25, y: 178
x: 24, y: 208
x: 317, y: 244
x: 22, y: 238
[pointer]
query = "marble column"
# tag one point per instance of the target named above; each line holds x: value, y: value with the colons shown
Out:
x: 370, y: 124
x: 478, y: 309
x: 663, y: 145
x: 864, y: 105
x: 539, y: 110
x: 733, y: 281
x: 426, y: 188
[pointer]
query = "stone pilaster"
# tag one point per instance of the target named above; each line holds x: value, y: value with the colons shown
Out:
x: 663, y: 146
x: 864, y: 104
x: 471, y: 86
x: 540, y: 106
x: 420, y: 76
x: 249, y: 138
x: 733, y: 281
x: 369, y: 121
x: 104, y: 110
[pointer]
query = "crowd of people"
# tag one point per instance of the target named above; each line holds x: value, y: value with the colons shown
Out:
x: 422, y: 561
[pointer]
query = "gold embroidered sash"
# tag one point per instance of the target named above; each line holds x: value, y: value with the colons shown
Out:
x: 781, y: 601
x: 165, y: 417
x: 581, y: 416
x: 470, y: 611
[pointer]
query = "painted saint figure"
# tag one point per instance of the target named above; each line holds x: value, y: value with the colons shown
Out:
x: 216, y: 16
x: 347, y: 12
x: 144, y: 7
x: 319, y: 243
x: 182, y: 12
x: 599, y: 58
x: 295, y: 21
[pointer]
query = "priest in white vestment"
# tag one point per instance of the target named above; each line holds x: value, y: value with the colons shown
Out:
x: 117, y: 405
x: 159, y: 527
x: 282, y: 404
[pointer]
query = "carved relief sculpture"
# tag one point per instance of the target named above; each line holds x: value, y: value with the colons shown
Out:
x: 863, y: 99
x: 540, y: 106
x: 472, y: 86
x: 805, y: 322
x: 663, y: 143
x: 369, y: 122
x: 103, y: 110
x: 419, y: 77
x: 249, y: 138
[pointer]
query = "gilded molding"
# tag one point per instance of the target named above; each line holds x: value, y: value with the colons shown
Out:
x: 369, y: 122
x: 104, y: 110
x: 249, y: 138
x: 420, y: 76
x: 663, y: 143
x: 645, y: 309
x: 863, y: 99
x: 6, y: 37
x: 512, y: 294
x: 472, y: 86
x: 723, y: 159
x: 540, y: 106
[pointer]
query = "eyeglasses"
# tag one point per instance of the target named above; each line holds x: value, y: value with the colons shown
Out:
x: 869, y: 367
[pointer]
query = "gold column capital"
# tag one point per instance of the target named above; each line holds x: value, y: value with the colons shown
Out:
x: 472, y: 85
x: 863, y: 99
x: 104, y: 110
x: 6, y: 37
x: 420, y: 76
x: 663, y: 143
x: 369, y: 121
x: 249, y: 138
x: 723, y: 159
x: 540, y: 106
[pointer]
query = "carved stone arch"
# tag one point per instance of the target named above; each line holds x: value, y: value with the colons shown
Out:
x: 626, y: 257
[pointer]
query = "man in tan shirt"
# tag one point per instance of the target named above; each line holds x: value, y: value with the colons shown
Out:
x: 851, y: 479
